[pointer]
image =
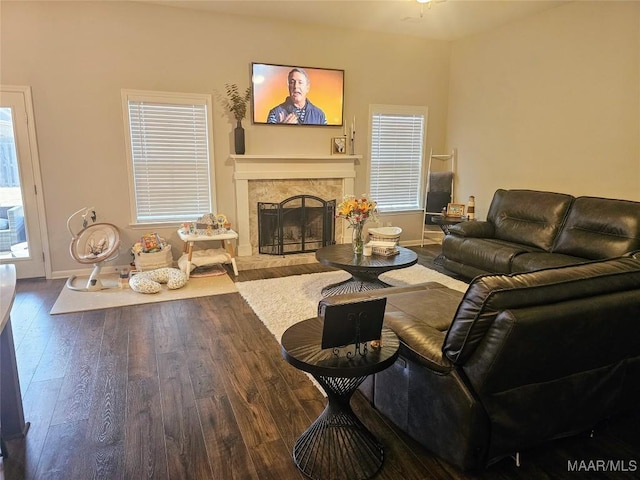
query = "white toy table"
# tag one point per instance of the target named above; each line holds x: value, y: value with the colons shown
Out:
x: 224, y: 236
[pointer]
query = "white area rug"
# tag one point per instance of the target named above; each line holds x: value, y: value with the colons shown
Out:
x: 73, y: 301
x: 281, y: 302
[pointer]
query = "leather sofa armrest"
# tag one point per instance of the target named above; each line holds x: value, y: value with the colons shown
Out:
x: 474, y: 229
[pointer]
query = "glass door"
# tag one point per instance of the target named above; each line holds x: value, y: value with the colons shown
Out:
x: 20, y: 232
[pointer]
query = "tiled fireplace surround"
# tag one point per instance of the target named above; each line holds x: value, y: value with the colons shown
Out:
x: 273, y: 178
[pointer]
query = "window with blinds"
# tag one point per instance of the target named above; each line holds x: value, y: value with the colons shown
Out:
x: 168, y: 145
x: 397, y: 151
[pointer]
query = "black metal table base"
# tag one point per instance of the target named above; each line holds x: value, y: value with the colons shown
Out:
x: 353, y: 285
x: 337, y: 445
x: 439, y: 260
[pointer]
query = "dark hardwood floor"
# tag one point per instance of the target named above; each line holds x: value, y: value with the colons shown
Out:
x: 198, y: 389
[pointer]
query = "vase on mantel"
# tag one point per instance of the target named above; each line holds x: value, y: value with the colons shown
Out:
x: 238, y: 136
x: 356, y: 238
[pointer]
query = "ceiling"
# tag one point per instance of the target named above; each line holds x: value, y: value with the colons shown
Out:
x: 444, y: 20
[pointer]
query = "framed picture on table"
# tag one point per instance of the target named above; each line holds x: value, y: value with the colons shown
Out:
x: 455, y: 209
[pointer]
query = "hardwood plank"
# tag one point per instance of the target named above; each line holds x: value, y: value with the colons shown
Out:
x: 201, y: 341
x: 227, y: 452
x: 309, y: 397
x: 144, y: 446
x: 55, y: 358
x: 104, y: 445
x: 230, y: 318
x: 62, y: 452
x: 145, y: 453
x: 274, y: 461
x: 254, y: 419
x: 103, y: 463
x: 34, y: 296
x: 204, y: 371
x: 142, y: 347
x: 278, y: 397
x: 186, y: 453
x: 276, y: 272
x: 166, y: 333
x: 115, y: 339
x: 26, y: 307
x: 77, y: 389
x: 35, y: 345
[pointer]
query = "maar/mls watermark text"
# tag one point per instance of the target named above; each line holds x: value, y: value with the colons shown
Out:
x: 601, y: 465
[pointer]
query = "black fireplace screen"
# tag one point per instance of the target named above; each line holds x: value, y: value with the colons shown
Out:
x: 303, y: 223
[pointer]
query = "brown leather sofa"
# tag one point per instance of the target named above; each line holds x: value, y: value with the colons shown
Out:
x: 529, y: 230
x: 515, y: 361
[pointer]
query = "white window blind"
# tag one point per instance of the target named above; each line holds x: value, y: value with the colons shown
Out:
x: 169, y: 157
x: 397, y: 149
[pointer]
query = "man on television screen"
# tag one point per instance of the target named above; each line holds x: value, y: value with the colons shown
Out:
x: 297, y: 109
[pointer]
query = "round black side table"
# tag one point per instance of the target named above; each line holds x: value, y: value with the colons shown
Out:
x: 337, y: 444
x: 445, y: 222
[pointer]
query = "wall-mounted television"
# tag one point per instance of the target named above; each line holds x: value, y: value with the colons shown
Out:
x: 295, y: 95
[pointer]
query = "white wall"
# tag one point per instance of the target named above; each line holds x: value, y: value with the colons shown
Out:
x: 551, y: 102
x: 77, y: 56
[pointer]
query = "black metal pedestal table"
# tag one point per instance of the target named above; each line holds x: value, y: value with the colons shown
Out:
x: 364, y: 270
x: 360, y: 281
x: 337, y: 445
x: 444, y: 223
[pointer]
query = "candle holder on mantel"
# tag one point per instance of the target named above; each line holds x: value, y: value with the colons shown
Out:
x: 352, y: 144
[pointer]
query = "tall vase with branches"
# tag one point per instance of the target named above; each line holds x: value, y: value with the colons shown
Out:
x: 237, y: 104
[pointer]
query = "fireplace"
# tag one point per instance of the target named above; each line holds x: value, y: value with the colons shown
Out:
x: 258, y: 177
x: 302, y: 223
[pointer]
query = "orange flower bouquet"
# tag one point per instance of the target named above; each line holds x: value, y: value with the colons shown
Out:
x: 357, y: 211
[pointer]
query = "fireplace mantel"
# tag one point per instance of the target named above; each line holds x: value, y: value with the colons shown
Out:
x: 288, y: 157
x: 282, y: 167
x: 270, y: 167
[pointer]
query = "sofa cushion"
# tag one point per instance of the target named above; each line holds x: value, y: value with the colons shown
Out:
x: 4, y: 224
x: 484, y: 254
x: 487, y: 296
x: 528, y: 262
x: 464, y: 270
x: 599, y: 228
x: 528, y: 217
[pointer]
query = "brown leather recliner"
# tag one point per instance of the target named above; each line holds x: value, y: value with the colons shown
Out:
x: 515, y: 361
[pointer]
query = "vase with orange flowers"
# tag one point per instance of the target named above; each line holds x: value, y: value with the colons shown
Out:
x: 356, y: 210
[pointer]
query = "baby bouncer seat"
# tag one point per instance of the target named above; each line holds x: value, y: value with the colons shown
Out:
x: 92, y: 245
